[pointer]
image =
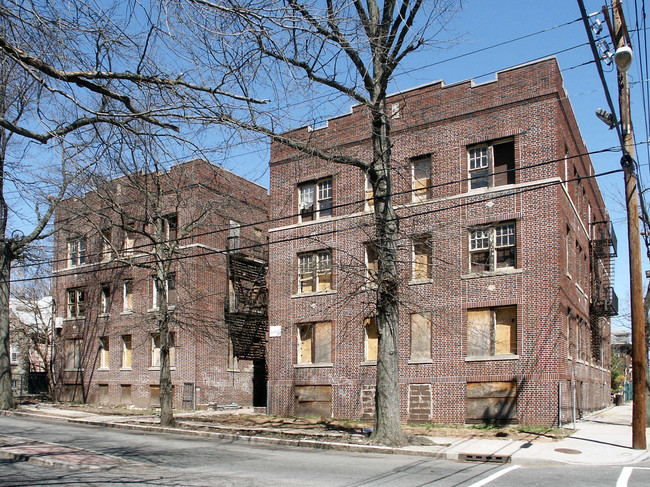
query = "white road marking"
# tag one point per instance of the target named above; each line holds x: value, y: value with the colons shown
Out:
x: 495, y: 476
x: 625, y: 475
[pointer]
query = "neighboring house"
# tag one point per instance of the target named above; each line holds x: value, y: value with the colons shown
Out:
x: 216, y: 289
x: 31, y: 340
x: 505, y: 257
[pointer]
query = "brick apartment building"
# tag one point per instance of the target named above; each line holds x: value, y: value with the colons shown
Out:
x: 505, y: 256
x: 104, y: 287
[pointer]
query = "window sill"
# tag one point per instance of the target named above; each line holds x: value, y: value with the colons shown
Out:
x: 233, y: 370
x: 369, y: 362
x: 126, y: 312
x: 420, y: 361
x: 171, y: 367
x: 317, y: 293
x: 103, y: 315
x: 413, y: 282
x: 491, y: 358
x: 74, y: 318
x: 321, y: 365
x: 102, y: 369
x: 501, y: 272
x: 126, y: 368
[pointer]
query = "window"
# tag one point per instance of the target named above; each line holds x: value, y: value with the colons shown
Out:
x: 155, y: 349
x: 491, y: 165
x: 103, y: 352
x: 128, y: 244
x: 171, y: 227
x: 126, y: 351
x: 422, y: 258
x: 233, y: 360
x: 372, y: 264
x: 315, y: 200
x: 106, y: 298
x: 371, y: 340
x: 170, y: 290
x: 128, y: 295
x: 420, y: 336
x: 14, y: 355
x: 369, y: 194
x: 493, y: 247
x: 107, y: 249
x: 77, y: 252
x: 233, y: 235
x: 421, y: 183
x: 73, y: 354
x: 315, y: 272
x: 76, y: 302
x: 492, y: 331
x: 315, y: 343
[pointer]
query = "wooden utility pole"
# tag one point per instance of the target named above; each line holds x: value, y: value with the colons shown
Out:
x: 620, y: 38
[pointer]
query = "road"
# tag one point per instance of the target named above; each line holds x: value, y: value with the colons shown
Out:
x: 131, y: 458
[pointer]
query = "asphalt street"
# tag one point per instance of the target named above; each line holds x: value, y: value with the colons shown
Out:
x: 176, y: 460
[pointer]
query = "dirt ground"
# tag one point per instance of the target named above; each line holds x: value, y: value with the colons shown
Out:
x: 326, y: 429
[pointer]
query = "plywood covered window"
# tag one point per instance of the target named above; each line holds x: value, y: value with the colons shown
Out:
x: 369, y: 194
x: 372, y: 263
x: 76, y: 302
x: 421, y: 179
x: 73, y: 351
x: 315, y: 343
x: 492, y: 331
x: 104, y: 349
x: 127, y: 295
x: 422, y: 258
x: 315, y: 199
x: 493, y: 247
x: 420, y: 336
x: 77, y: 252
x: 371, y: 340
x: 315, y: 271
x: 126, y: 351
x: 491, y: 165
x: 155, y: 349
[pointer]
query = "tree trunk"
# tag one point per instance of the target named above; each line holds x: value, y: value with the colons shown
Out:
x: 162, y: 277
x: 388, y: 426
x: 6, y: 395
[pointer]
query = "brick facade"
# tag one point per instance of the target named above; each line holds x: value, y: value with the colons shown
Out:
x: 544, y: 283
x: 204, y: 199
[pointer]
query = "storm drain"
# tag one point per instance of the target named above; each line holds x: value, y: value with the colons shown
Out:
x: 472, y: 457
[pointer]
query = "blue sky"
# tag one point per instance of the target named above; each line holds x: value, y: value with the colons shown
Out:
x: 485, y: 23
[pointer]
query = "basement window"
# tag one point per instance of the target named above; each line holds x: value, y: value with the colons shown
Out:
x: 315, y: 343
x: 492, y: 331
x: 491, y: 165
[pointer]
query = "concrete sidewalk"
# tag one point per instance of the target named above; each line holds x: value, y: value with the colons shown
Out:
x: 604, y: 438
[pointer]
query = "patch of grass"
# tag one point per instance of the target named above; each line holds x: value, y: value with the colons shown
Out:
x: 544, y: 430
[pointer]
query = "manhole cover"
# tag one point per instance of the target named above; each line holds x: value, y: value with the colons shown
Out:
x: 568, y: 451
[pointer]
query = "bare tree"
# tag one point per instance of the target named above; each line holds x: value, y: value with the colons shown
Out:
x: 351, y: 49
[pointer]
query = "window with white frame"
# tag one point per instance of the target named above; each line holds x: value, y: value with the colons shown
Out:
x: 14, y: 355
x: 234, y: 235
x: 127, y: 349
x: 77, y: 252
x: 492, y: 247
x: 169, y: 290
x: 315, y: 200
x: 421, y: 179
x: 422, y: 258
x: 315, y: 343
x: 127, y: 294
x: 155, y: 349
x: 76, y: 302
x: 491, y: 165
x: 492, y: 331
x: 315, y: 271
x: 128, y: 245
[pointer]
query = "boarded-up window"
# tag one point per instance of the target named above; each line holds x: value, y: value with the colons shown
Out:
x: 422, y: 258
x: 103, y: 352
x: 492, y: 331
x: 154, y: 395
x: 372, y: 264
x: 371, y: 341
x: 128, y: 295
x: 421, y: 168
x: 314, y: 401
x: 315, y: 343
x: 491, y: 402
x: 125, y: 393
x: 73, y: 349
x: 420, y: 336
x: 126, y: 351
x: 155, y: 349
x: 103, y: 394
x: 369, y: 194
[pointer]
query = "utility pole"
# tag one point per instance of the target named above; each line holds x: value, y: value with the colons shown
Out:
x: 620, y: 38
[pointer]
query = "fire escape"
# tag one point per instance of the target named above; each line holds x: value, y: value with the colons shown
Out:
x: 246, y: 303
x: 604, y: 301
